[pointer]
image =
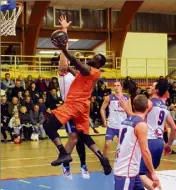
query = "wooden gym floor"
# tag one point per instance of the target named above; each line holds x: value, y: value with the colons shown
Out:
x: 32, y: 159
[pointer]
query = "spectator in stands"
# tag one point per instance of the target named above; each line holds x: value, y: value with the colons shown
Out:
x: 55, y: 60
x: 15, y: 126
x: 22, y: 83
x: 41, y: 104
x: 41, y: 86
x: 10, y: 51
x: 28, y: 81
x: 170, y: 81
x: 103, y: 91
x: 8, y: 84
x: 17, y: 89
x: 4, y: 117
x: 26, y: 93
x: 20, y: 98
x: 26, y: 123
x: 54, y: 84
x: 134, y: 92
x: 52, y: 100
x: 13, y: 106
x: 101, y: 94
x: 95, y: 91
x: 172, y: 92
x: 33, y: 93
x: 28, y: 104
x: 129, y: 84
x: 93, y: 109
x: 161, y: 78
x: 37, y: 120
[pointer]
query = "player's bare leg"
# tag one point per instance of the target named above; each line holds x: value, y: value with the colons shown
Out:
x: 107, y: 148
x: 72, y: 141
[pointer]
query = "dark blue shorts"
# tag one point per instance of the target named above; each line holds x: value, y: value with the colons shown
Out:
x: 110, y: 133
x: 123, y: 183
x: 70, y: 127
x: 156, y: 147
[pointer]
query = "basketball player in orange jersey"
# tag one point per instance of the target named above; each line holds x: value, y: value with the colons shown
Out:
x: 76, y: 105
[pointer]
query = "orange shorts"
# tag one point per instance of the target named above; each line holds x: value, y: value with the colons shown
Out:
x: 78, y: 112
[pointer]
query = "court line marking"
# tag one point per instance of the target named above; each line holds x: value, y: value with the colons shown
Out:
x: 24, y: 181
x: 42, y: 165
x: 43, y: 157
x: 168, y: 160
x: 43, y: 186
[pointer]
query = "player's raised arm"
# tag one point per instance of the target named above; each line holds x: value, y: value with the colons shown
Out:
x: 102, y: 110
x: 126, y: 105
x: 63, y: 65
x: 83, y: 68
x: 141, y: 133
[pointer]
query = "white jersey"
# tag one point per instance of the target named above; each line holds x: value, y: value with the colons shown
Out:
x: 64, y: 84
x: 128, y: 155
x: 116, y: 113
x: 156, y: 119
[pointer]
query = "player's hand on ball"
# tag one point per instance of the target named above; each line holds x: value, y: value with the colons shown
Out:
x: 63, y: 21
x: 59, y: 39
x: 167, y: 150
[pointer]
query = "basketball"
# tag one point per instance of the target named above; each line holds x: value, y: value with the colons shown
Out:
x: 59, y: 39
x: 17, y: 140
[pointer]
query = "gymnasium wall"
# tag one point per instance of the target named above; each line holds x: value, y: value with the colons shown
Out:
x: 146, y: 53
x: 172, y: 55
x: 101, y: 48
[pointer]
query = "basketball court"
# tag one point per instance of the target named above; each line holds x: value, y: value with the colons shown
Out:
x: 27, y: 166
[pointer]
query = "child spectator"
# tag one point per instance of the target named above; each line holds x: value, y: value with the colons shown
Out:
x: 15, y: 125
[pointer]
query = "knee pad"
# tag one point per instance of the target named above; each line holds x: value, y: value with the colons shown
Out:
x: 51, y: 126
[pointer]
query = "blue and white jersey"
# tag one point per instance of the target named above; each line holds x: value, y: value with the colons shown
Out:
x: 116, y: 112
x: 128, y: 155
x: 64, y: 84
x: 156, y: 119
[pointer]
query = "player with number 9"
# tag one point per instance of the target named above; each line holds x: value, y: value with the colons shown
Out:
x: 156, y: 118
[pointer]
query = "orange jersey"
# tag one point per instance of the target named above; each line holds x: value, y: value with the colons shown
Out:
x: 82, y: 86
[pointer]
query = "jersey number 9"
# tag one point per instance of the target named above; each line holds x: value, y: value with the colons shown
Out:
x: 161, y: 117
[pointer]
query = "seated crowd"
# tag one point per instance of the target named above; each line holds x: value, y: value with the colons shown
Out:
x: 27, y: 103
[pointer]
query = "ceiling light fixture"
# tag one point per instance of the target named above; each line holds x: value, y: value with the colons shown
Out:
x: 73, y: 40
x: 48, y: 52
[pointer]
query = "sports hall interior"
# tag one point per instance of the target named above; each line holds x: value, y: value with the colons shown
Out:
x: 138, y: 39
